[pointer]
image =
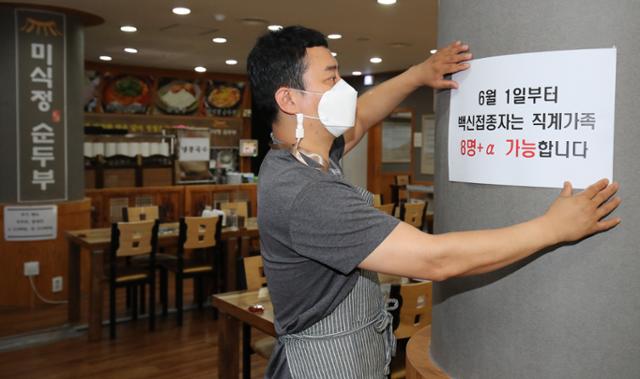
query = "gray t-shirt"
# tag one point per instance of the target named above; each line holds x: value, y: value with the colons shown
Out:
x: 315, y: 229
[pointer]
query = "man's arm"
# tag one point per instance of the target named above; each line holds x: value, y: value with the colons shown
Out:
x: 412, y: 253
x: 380, y: 101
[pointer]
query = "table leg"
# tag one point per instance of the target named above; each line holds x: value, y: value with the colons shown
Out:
x: 246, y: 351
x: 73, y: 275
x: 96, y: 298
x: 228, y: 349
x: 232, y: 265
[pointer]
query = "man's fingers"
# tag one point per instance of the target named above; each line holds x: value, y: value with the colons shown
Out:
x: 606, y: 193
x: 608, y: 207
x: 607, y: 224
x: 593, y: 189
x: 456, y: 58
x: 445, y: 84
x: 567, y: 189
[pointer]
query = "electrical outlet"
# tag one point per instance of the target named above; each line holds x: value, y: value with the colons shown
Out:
x: 32, y: 268
x: 56, y: 284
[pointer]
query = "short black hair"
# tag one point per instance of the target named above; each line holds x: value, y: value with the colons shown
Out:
x: 277, y: 60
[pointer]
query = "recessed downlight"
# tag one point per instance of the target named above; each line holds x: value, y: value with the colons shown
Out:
x: 130, y: 50
x: 274, y: 28
x: 219, y: 40
x: 231, y: 62
x: 387, y: 2
x: 199, y: 69
x: 375, y: 60
x: 356, y: 73
x: 128, y: 28
x: 181, y: 11
x: 334, y: 36
x: 105, y: 58
x: 433, y: 51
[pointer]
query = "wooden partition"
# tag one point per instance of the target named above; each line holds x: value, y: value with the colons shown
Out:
x: 197, y: 197
x: 51, y: 254
x: 107, y: 203
x: 173, y: 201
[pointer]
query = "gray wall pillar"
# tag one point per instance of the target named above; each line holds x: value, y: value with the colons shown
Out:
x: 573, y: 311
x: 73, y: 35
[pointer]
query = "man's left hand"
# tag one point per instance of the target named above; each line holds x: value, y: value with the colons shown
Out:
x: 447, y: 60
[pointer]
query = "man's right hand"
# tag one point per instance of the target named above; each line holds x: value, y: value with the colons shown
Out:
x: 572, y: 217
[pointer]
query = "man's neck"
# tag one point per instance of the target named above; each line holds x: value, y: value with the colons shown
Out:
x: 315, y: 141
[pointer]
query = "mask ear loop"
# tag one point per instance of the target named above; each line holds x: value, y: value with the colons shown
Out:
x: 299, y: 131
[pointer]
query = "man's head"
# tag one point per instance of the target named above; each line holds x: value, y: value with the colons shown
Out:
x: 279, y: 60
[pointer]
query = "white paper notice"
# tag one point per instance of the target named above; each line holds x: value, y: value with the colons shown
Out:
x: 30, y: 223
x: 534, y: 119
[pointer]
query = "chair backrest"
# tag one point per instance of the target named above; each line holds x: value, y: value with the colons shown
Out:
x: 134, y: 238
x: 413, y: 214
x: 254, y: 273
x: 415, y: 308
x: 140, y: 213
x: 199, y: 232
x: 402, y: 180
x: 377, y: 200
x: 240, y: 207
x: 386, y: 208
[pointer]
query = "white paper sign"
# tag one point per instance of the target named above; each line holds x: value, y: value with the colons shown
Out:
x: 194, y: 149
x: 31, y: 223
x: 534, y: 119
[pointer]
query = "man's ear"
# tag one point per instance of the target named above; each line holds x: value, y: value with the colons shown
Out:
x: 286, y: 101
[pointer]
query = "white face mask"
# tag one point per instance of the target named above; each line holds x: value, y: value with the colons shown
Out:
x: 337, y: 108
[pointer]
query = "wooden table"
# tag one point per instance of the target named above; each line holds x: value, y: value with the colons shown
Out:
x: 233, y: 308
x: 96, y: 243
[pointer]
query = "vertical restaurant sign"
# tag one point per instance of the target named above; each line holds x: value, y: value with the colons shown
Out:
x: 41, y: 102
x: 534, y: 119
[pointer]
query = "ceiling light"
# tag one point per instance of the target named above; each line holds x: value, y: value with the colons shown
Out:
x: 386, y: 2
x: 182, y: 11
x: 433, y: 51
x: 356, y: 73
x: 368, y: 80
x: 219, y: 17
x: 200, y: 69
x: 375, y: 60
x: 130, y: 50
x: 231, y: 62
x: 219, y: 40
x: 128, y: 28
x: 334, y: 36
x: 105, y: 58
x: 333, y: 53
x: 274, y: 28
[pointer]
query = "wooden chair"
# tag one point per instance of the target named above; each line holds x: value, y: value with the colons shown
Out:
x: 413, y: 214
x: 413, y: 315
x: 240, y: 207
x: 386, y: 208
x: 198, y: 258
x: 140, y: 213
x: 255, y: 279
x: 131, y: 239
x: 402, y: 180
x: 377, y: 200
x: 415, y: 308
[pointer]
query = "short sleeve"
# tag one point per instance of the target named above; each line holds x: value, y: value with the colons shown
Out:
x: 332, y: 224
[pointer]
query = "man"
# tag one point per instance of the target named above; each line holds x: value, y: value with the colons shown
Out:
x: 321, y: 239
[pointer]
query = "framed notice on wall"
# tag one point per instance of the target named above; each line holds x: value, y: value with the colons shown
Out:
x: 427, y: 156
x: 396, y: 138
